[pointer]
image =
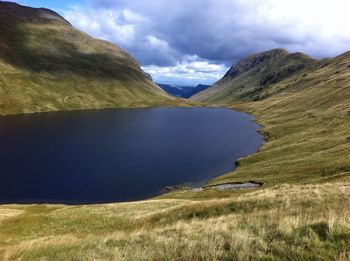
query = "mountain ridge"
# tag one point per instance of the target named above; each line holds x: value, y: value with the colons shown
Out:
x: 46, y: 65
x: 13, y: 9
x: 247, y: 78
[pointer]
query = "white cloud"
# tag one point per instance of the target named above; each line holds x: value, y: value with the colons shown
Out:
x: 112, y: 25
x: 190, y: 71
x: 165, y: 33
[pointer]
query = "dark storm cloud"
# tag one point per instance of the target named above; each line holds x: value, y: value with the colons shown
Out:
x: 223, y: 30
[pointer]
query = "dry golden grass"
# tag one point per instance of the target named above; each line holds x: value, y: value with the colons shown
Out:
x: 283, y: 222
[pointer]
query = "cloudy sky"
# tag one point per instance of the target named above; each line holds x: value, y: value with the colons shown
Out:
x: 195, y: 41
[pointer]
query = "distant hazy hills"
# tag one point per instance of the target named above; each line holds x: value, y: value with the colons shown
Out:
x: 46, y: 64
x: 183, y: 91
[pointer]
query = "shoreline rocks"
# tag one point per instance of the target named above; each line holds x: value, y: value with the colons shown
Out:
x: 223, y: 186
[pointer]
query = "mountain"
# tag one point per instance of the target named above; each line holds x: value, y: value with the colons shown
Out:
x: 173, y: 90
x: 304, y: 107
x: 46, y: 64
x: 250, y: 78
x: 199, y: 88
x: 183, y: 91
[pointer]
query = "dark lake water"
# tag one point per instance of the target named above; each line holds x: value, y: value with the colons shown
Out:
x: 118, y: 155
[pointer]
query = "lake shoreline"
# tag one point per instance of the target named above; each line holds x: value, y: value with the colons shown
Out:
x: 207, y: 184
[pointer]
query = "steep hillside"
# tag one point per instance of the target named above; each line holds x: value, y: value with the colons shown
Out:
x: 250, y: 78
x: 305, y: 113
x: 46, y: 64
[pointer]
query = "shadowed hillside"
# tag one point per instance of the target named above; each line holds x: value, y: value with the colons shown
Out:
x: 46, y: 64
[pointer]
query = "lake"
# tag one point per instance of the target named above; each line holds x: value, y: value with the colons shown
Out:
x: 116, y: 155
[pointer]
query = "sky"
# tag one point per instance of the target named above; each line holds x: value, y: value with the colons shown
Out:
x: 188, y: 42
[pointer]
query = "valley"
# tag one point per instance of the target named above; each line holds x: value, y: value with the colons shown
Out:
x: 302, y: 212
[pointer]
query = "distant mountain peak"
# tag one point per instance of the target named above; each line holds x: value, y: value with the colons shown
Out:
x: 183, y: 91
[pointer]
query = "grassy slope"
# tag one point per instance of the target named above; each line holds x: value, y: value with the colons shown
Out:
x: 306, y: 119
x: 46, y: 64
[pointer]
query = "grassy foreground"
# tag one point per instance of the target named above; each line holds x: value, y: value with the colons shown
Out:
x: 285, y: 222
